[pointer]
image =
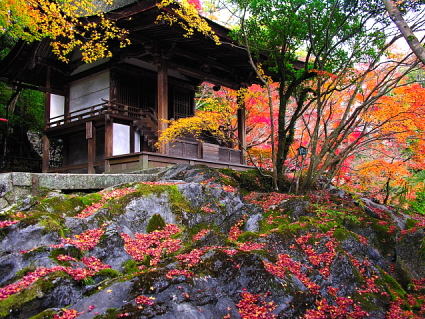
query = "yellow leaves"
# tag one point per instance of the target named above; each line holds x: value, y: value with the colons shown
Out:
x: 187, y: 16
x: 215, y: 119
x: 36, y: 19
x: 61, y: 21
x: 267, y: 78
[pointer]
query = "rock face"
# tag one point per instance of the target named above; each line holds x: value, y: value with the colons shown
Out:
x: 215, y: 254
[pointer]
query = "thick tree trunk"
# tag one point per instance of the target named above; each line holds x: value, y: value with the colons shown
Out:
x: 284, y: 139
x: 406, y: 31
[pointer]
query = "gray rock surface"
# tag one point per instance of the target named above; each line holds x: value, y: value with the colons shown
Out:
x: 223, y: 271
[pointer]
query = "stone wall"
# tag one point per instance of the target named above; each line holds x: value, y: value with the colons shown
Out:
x: 16, y: 186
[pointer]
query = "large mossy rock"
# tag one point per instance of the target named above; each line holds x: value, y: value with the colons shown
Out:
x: 277, y: 255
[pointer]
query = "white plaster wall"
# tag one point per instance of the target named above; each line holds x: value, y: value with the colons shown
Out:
x: 120, y: 139
x: 89, y: 91
x: 57, y: 106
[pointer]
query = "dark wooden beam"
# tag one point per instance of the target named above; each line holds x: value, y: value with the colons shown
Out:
x: 204, y: 76
x: 91, y: 145
x: 32, y: 87
x: 53, y: 63
x: 108, y: 136
x: 66, y: 108
x: 132, y: 138
x: 201, y: 59
x: 242, y: 129
x: 46, y: 142
x: 162, y: 101
x: 139, y: 26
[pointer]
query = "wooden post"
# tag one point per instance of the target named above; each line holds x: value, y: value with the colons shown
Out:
x: 242, y: 130
x: 66, y: 108
x: 162, y: 102
x: 144, y: 161
x: 46, y: 142
x: 47, y: 99
x: 91, y: 144
x: 46, y: 154
x: 132, y: 132
x: 108, y: 136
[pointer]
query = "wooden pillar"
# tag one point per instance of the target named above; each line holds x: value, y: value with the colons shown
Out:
x: 91, y: 145
x: 108, y: 141
x: 46, y: 154
x: 132, y: 132
x: 66, y: 108
x: 242, y: 130
x: 162, y: 102
x: 47, y: 100
x: 46, y: 142
x: 108, y: 135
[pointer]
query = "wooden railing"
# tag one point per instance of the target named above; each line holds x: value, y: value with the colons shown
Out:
x: 77, y: 115
x: 145, y: 160
x: 106, y: 107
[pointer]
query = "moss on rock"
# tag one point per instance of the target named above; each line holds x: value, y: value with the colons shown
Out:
x: 156, y: 222
x: 20, y: 299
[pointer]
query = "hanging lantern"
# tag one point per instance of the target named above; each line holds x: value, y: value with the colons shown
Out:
x: 302, y: 151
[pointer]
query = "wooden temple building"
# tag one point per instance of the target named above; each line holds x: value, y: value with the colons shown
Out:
x: 106, y: 112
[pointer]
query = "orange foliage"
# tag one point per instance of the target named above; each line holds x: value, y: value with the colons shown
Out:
x: 401, y: 116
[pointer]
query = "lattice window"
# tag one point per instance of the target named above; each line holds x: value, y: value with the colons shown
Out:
x: 183, y: 103
x: 136, y: 91
x: 128, y: 90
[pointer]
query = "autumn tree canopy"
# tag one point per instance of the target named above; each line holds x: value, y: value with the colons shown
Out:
x: 332, y: 35
x: 63, y: 23
x: 83, y: 24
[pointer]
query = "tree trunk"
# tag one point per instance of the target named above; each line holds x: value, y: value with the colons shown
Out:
x: 406, y: 31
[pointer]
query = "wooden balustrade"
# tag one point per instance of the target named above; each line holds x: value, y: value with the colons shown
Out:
x: 105, y: 107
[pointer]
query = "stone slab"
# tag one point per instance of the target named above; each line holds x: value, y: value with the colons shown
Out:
x: 88, y: 181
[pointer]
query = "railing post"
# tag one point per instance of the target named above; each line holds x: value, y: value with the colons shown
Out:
x: 200, y: 150
x: 91, y: 146
x: 109, y: 106
x: 144, y: 161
